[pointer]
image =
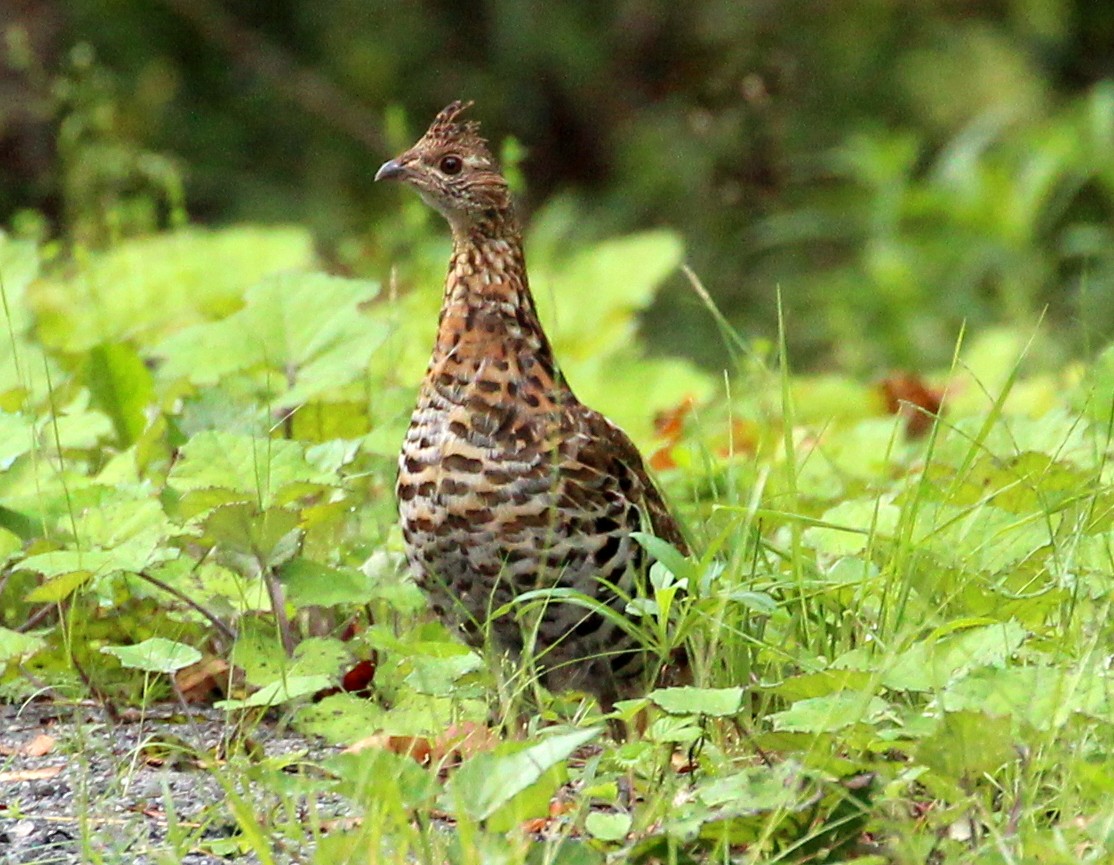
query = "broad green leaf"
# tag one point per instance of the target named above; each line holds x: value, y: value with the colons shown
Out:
x: 130, y: 527
x: 121, y: 388
x: 375, y: 778
x: 596, y: 293
x: 861, y: 519
x: 830, y: 713
x: 1096, y: 392
x: 981, y: 538
x: 306, y: 328
x: 650, y: 385
x: 144, y: 289
x: 309, y: 582
x: 279, y: 692
x: 76, y: 425
x: 940, y: 659
x: 251, y: 541
x: 10, y: 542
x: 14, y: 645
x: 17, y: 437
x: 823, y: 683
x: 608, y: 827
x: 340, y: 718
x: 155, y: 655
x: 261, y: 468
x: 319, y: 656
x: 1042, y: 696
x: 258, y: 652
x: 490, y: 782
x: 24, y: 367
x: 966, y: 744
x: 717, y: 702
x: 438, y: 676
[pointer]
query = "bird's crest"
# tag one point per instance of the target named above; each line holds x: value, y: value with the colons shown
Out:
x: 446, y: 130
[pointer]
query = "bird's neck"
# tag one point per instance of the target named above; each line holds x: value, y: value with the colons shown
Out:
x: 487, y: 308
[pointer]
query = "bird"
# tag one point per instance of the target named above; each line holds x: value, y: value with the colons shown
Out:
x: 507, y: 483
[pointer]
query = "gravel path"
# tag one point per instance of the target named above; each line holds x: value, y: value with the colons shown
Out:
x: 75, y: 787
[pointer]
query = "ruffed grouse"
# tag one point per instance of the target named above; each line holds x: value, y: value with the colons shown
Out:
x: 507, y: 483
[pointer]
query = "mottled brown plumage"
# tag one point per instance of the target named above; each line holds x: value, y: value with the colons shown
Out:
x: 507, y: 483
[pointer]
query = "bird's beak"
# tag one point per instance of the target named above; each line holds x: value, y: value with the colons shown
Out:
x: 390, y: 170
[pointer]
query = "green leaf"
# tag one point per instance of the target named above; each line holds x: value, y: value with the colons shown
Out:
x: 251, y: 541
x: 308, y: 582
x: 277, y: 693
x: 24, y: 367
x: 262, y: 469
x: 936, y: 661
x: 489, y: 783
x: 601, y: 288
x: 15, y: 646
x: 259, y: 653
x: 717, y: 702
x: 830, y: 713
x: 608, y: 827
x: 155, y: 655
x: 859, y: 521
x: 981, y: 538
x: 438, y: 676
x: 666, y: 554
x: 308, y: 329
x: 966, y: 744
x: 143, y: 289
x: 121, y: 387
x: 319, y: 656
x: 340, y: 718
x: 1043, y: 697
x: 59, y: 588
x: 17, y: 437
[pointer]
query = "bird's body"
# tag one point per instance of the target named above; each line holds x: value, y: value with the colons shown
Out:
x: 507, y: 483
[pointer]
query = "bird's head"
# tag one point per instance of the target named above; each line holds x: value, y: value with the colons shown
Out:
x: 453, y: 171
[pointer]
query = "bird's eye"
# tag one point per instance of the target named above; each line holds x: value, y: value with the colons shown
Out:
x: 451, y: 164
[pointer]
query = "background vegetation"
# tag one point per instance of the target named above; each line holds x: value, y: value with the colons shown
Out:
x: 894, y: 168
x: 899, y: 614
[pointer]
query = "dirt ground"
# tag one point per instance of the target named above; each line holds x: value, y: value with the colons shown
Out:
x: 77, y: 786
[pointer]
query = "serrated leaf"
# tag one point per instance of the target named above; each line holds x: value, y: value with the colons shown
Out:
x: 24, y: 367
x: 155, y: 655
x: 308, y: 582
x: 966, y: 744
x: 608, y: 827
x: 339, y: 718
x: 306, y: 328
x: 860, y: 521
x: 121, y: 387
x: 319, y: 656
x: 1043, y: 696
x: 257, y: 467
x: 14, y: 645
x: 60, y: 587
x: 143, y: 289
x: 716, y: 702
x: 258, y: 652
x: 279, y: 692
x: 830, y: 713
x: 936, y: 661
x: 601, y: 287
x: 489, y: 782
x: 251, y: 541
x: 17, y: 437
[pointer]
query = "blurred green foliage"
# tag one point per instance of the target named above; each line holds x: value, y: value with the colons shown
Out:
x: 894, y: 169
